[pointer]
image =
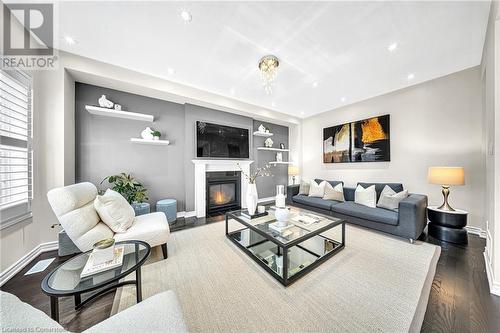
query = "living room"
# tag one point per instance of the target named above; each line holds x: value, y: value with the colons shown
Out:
x: 310, y: 166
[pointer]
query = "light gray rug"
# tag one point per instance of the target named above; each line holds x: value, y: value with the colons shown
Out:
x: 377, y: 283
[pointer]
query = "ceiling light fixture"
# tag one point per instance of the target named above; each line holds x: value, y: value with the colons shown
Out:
x: 343, y: 99
x: 302, y: 113
x: 392, y: 47
x: 268, y: 66
x: 171, y: 71
x: 232, y: 91
x: 411, y: 76
x: 186, y: 16
x: 69, y: 40
x: 273, y: 104
x: 315, y: 84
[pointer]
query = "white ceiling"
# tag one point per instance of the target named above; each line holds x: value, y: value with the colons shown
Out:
x: 340, y: 45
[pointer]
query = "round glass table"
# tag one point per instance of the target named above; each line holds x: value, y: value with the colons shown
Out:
x: 65, y: 280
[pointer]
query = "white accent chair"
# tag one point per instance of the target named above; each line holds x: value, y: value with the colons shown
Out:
x: 74, y: 208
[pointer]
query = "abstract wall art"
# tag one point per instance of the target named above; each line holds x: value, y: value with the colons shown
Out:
x: 365, y: 140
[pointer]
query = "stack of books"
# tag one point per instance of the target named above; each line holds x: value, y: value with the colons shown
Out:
x: 91, y: 268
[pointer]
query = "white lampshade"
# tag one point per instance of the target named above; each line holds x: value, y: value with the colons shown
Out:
x: 293, y: 170
x: 446, y: 175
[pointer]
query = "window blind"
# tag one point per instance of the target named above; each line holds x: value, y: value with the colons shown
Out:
x: 15, y: 147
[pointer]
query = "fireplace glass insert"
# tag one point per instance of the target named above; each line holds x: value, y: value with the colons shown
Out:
x: 223, y: 192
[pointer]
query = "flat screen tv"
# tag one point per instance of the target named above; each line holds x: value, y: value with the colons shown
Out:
x: 221, y: 141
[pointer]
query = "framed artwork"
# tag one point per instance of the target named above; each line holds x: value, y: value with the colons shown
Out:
x: 366, y: 140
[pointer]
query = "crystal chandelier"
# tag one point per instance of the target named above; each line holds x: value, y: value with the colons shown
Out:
x: 268, y: 66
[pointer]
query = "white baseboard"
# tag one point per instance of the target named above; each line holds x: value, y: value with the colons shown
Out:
x: 494, y: 285
x: 476, y: 231
x: 25, y: 260
x: 186, y: 214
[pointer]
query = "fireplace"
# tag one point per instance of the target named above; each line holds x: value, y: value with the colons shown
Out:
x: 222, y: 192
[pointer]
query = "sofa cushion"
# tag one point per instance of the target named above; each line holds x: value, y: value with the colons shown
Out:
x: 379, y: 187
x: 331, y: 182
x: 366, y: 196
x: 363, y: 212
x: 151, y: 228
x: 114, y: 210
x: 335, y: 193
x: 317, y: 190
x: 314, y: 201
x: 389, y: 199
x: 304, y: 187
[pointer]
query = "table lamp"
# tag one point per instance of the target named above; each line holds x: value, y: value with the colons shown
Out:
x: 293, y: 171
x: 446, y: 176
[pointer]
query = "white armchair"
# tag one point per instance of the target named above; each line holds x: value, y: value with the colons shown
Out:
x: 74, y: 208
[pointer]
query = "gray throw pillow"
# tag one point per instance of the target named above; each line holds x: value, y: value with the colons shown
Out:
x: 389, y: 199
x: 304, y: 188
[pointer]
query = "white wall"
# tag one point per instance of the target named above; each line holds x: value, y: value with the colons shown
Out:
x: 435, y: 123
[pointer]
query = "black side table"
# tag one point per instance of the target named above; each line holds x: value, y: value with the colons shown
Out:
x: 448, y: 226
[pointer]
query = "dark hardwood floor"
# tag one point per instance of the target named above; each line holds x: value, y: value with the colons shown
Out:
x: 460, y: 300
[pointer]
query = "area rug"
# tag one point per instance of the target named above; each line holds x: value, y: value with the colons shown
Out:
x: 377, y: 283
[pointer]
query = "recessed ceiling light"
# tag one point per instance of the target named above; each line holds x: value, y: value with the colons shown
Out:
x: 343, y: 99
x: 315, y: 84
x: 232, y: 91
x: 273, y: 104
x: 171, y: 71
x: 302, y: 113
x: 392, y: 47
x: 186, y: 16
x: 411, y: 76
x: 69, y: 40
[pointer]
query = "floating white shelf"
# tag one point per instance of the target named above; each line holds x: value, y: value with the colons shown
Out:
x: 257, y: 133
x: 272, y: 149
x: 150, y: 142
x: 119, y: 113
x: 276, y: 162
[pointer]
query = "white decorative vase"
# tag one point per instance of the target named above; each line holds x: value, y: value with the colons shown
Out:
x: 251, y: 198
x: 281, y: 214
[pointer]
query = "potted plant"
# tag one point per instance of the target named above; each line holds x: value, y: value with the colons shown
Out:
x: 156, y: 135
x: 132, y: 190
x: 251, y: 195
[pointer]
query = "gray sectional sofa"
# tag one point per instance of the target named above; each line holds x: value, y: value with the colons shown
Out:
x: 408, y: 221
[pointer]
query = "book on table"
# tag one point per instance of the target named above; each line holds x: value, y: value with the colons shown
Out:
x: 91, y: 268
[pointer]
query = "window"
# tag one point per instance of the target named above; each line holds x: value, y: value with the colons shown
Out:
x: 15, y: 147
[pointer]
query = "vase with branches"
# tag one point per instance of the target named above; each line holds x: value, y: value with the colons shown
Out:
x: 251, y: 176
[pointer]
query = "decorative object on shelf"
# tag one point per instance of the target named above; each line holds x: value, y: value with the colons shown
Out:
x: 280, y: 198
x: 267, y: 130
x: 268, y: 143
x: 261, y: 209
x: 279, y: 157
x: 251, y: 195
x: 156, y: 135
x: 446, y: 176
x: 105, y: 103
x: 103, y: 251
x: 147, y: 134
x: 293, y: 171
x: 118, y: 107
x: 128, y: 187
x: 448, y: 226
x: 282, y: 145
x: 365, y: 140
x: 262, y: 128
x: 268, y: 66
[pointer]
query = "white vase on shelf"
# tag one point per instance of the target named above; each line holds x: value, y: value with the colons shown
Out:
x: 251, y: 198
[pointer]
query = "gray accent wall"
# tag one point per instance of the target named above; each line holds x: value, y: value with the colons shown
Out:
x: 103, y: 147
x: 266, y: 186
x: 103, y: 144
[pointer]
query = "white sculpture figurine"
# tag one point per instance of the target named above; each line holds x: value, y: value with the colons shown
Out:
x: 262, y: 129
x: 147, y: 134
x: 105, y: 103
x: 268, y: 143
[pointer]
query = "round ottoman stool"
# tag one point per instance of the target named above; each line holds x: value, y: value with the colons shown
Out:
x: 169, y: 207
x: 141, y: 208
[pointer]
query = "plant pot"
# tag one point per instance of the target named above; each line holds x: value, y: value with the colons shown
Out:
x: 251, y: 198
x: 156, y: 138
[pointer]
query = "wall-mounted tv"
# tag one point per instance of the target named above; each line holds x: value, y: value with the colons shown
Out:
x: 213, y: 140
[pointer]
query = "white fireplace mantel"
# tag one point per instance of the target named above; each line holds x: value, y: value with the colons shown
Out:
x: 201, y: 167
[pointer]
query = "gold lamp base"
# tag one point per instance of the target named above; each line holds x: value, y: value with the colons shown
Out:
x: 446, y: 205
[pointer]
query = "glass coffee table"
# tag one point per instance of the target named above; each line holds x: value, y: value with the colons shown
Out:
x: 293, y: 252
x: 65, y: 280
